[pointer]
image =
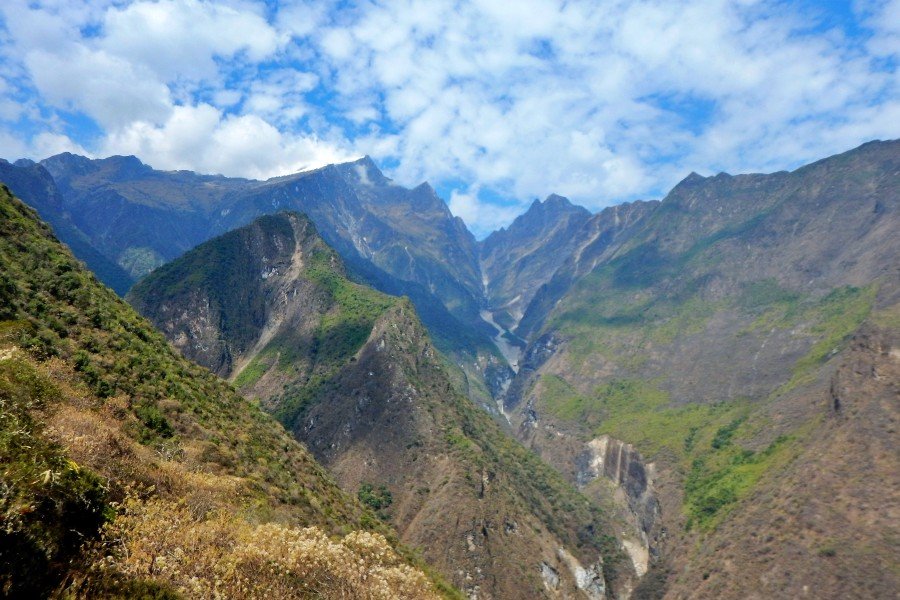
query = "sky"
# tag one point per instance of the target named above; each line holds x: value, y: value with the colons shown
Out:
x: 494, y: 102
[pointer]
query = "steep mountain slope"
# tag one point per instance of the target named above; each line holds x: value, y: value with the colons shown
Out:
x: 33, y: 184
x: 517, y: 260
x: 352, y: 373
x: 396, y: 239
x: 694, y: 342
x: 130, y: 472
x: 825, y: 526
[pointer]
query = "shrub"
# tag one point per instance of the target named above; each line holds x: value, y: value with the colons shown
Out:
x: 223, y: 556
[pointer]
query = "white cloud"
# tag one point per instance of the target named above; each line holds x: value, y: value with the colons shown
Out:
x: 49, y: 144
x: 598, y: 100
x: 482, y: 217
x: 593, y: 99
x: 203, y: 139
x: 109, y: 89
x: 12, y: 146
x: 181, y: 38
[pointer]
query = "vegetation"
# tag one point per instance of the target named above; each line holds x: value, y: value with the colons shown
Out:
x: 120, y: 403
x: 635, y: 304
x: 48, y: 503
x: 378, y: 498
x: 700, y: 439
x: 137, y: 262
x: 627, y: 318
x: 834, y: 318
x: 221, y: 555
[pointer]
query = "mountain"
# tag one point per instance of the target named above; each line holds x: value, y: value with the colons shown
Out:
x: 33, y: 184
x: 353, y: 374
x: 717, y: 369
x: 517, y: 260
x: 140, y: 218
x: 702, y: 354
x: 129, y: 471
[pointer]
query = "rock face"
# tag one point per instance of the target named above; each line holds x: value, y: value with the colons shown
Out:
x: 598, y: 240
x: 116, y: 409
x: 399, y: 240
x: 623, y: 465
x: 517, y: 260
x: 824, y: 525
x: 354, y: 376
x: 698, y: 334
x: 695, y: 334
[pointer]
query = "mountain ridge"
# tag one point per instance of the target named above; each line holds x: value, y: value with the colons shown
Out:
x: 132, y: 472
x: 353, y: 374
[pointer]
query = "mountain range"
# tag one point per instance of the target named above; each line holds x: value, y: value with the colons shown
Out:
x: 711, y: 377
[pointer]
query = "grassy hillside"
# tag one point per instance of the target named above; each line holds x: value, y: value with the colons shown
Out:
x: 121, y: 459
x: 353, y: 374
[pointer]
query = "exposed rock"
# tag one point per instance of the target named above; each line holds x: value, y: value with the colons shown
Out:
x: 536, y: 354
x: 550, y: 577
x: 622, y: 464
x: 379, y: 411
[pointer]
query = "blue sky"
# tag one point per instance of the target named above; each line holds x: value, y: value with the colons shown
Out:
x: 494, y: 102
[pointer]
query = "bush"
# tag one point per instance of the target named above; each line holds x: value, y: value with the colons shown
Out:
x: 223, y: 556
x: 375, y: 498
x: 49, y: 506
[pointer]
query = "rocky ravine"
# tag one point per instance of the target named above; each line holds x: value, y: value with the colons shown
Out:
x: 382, y: 412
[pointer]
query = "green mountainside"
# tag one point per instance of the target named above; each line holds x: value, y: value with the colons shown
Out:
x: 715, y: 373
x: 706, y: 336
x: 128, y: 471
x: 353, y: 374
x: 401, y: 241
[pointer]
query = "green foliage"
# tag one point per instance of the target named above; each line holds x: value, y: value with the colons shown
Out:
x: 355, y: 308
x: 718, y: 479
x: 138, y: 261
x: 252, y: 372
x: 549, y: 497
x: 699, y: 437
x: 377, y: 498
x: 115, y: 352
x: 766, y: 294
x: 619, y: 319
x: 724, y: 434
x: 49, y: 506
x: 350, y: 312
x: 830, y: 321
x: 154, y: 422
x: 562, y: 400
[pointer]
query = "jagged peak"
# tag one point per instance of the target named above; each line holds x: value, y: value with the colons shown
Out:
x: 693, y: 178
x: 554, y: 205
x: 67, y: 158
x: 555, y: 200
x: 363, y: 171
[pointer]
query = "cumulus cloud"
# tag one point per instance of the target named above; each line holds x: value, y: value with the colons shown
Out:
x: 604, y: 101
x: 601, y: 101
x: 112, y: 91
x: 182, y: 38
x: 481, y: 216
x: 204, y: 139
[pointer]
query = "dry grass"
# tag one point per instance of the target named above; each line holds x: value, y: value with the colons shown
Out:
x: 190, y: 528
x: 223, y: 556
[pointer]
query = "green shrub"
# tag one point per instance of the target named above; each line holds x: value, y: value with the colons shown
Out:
x: 375, y: 498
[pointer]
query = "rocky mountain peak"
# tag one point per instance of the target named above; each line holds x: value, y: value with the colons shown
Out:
x: 363, y: 173
x: 66, y: 164
x: 557, y: 202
